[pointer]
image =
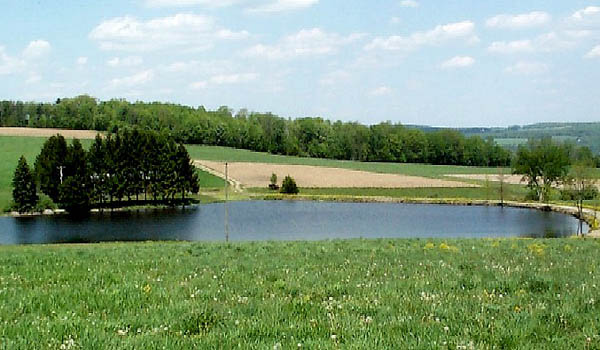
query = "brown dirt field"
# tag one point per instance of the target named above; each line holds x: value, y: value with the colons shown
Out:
x: 38, y: 132
x: 509, y: 179
x: 259, y: 174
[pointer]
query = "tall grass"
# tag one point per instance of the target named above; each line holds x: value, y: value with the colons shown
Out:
x: 360, y: 294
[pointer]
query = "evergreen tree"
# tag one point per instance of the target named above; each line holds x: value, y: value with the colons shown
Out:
x: 289, y: 186
x: 49, y: 165
x: 24, y: 187
x: 76, y: 187
x: 186, y: 175
x: 97, y: 158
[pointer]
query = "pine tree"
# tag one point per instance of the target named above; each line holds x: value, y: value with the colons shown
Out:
x: 24, y: 187
x: 76, y: 186
x: 49, y: 165
x: 187, y: 177
x: 289, y: 186
x: 98, y: 170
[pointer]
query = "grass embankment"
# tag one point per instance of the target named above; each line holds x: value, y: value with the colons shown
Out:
x: 511, y: 192
x: 12, y: 147
x: 384, y: 294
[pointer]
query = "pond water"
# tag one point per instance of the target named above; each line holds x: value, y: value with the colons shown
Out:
x: 291, y: 220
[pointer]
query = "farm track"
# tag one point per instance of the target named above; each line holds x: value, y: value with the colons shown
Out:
x: 38, y: 132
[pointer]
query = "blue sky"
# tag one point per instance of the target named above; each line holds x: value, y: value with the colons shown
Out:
x: 443, y: 63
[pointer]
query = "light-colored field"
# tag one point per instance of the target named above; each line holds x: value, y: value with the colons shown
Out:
x: 31, y: 132
x: 259, y: 174
x: 509, y: 179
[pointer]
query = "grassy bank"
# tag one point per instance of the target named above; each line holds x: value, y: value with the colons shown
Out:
x: 386, y: 294
x: 511, y: 192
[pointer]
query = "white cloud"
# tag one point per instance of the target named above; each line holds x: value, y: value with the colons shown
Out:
x: 458, y: 62
x: 594, y: 53
x: 180, y: 67
x: 233, y: 78
x: 256, y: 6
x: 81, y: 61
x: 510, y: 47
x: 189, y: 30
x: 381, y: 91
x: 409, y: 3
x: 590, y: 13
x: 33, y: 78
x: 442, y: 33
x: 184, y: 3
x: 224, y: 79
x: 231, y: 35
x: 526, y: 20
x: 528, y: 68
x: 284, y: 5
x: 335, y: 77
x: 8, y: 64
x: 129, y: 61
x: 198, y: 85
x: 548, y: 42
x: 395, y: 20
x: 133, y: 80
x: 307, y: 42
x: 36, y: 49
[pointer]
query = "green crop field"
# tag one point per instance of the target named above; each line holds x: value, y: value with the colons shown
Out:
x: 14, y: 146
x: 511, y: 192
x: 215, y: 153
x: 358, y: 294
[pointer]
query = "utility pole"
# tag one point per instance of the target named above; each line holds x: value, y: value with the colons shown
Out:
x: 61, y: 173
x: 226, y: 204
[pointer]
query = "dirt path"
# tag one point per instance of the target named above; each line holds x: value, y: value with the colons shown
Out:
x: 259, y: 174
x: 38, y: 132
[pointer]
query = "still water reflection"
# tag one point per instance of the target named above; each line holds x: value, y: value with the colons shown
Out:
x: 291, y: 220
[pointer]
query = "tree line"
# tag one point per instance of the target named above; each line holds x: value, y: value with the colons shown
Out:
x: 263, y: 132
x: 140, y: 166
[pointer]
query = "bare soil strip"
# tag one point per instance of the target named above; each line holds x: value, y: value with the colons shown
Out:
x: 38, y: 132
x: 259, y: 174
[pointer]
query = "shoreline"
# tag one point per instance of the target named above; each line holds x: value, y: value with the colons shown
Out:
x: 590, y: 216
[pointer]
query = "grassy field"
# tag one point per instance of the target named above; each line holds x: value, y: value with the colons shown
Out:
x: 215, y: 153
x: 511, y: 192
x: 383, y: 294
x: 14, y: 146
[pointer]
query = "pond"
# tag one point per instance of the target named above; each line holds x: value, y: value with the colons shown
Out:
x: 291, y: 220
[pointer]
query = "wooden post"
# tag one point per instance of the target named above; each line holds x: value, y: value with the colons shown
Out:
x: 226, y: 204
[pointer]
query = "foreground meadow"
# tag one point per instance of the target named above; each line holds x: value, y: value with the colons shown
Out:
x: 359, y: 294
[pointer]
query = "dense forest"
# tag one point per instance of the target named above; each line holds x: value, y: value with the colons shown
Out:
x: 265, y: 132
x: 143, y: 167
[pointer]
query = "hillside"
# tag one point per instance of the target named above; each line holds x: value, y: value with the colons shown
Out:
x: 583, y: 134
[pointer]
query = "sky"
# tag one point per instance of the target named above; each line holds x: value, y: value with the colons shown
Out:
x: 451, y: 63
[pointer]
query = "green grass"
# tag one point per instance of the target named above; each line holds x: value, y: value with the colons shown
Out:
x: 215, y: 153
x: 207, y: 180
x: 358, y: 294
x: 512, y: 192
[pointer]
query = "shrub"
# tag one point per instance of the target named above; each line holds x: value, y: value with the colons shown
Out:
x: 44, y: 203
x: 289, y: 186
x: 273, y: 185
